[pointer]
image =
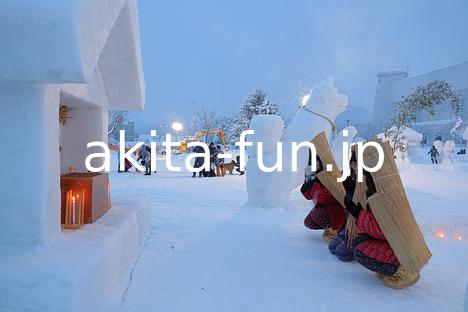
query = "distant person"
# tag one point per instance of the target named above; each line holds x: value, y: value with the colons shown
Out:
x: 128, y: 164
x: 145, y: 158
x: 213, y: 157
x: 199, y: 161
x: 424, y: 141
x: 238, y: 165
x: 219, y: 162
x: 434, y: 154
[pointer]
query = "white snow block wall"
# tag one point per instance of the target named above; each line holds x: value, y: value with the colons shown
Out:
x: 83, y: 54
x: 29, y: 187
x: 273, y: 188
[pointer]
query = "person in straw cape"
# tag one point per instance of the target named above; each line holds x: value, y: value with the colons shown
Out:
x: 327, y: 214
x: 385, y: 236
x: 389, y: 241
x: 341, y: 245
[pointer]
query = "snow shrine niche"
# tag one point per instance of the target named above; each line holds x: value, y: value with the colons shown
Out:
x: 317, y: 115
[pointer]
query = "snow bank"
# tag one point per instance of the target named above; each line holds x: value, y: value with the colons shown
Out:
x: 80, y: 271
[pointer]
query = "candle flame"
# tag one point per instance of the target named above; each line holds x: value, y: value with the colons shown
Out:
x: 458, y: 237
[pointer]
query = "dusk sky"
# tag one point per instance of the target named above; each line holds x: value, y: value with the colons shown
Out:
x: 216, y: 52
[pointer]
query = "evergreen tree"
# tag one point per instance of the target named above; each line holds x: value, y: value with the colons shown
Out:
x: 256, y: 103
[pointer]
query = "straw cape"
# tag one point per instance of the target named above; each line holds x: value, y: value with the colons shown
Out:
x: 326, y: 177
x: 393, y: 213
x: 329, y: 180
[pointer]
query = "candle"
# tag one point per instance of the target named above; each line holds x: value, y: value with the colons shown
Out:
x: 73, y: 210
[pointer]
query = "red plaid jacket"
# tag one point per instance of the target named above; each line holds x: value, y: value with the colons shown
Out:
x: 325, y: 203
x: 377, y: 248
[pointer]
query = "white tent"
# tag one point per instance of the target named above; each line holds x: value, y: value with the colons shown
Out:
x: 411, y: 136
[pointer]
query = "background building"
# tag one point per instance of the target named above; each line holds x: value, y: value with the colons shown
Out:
x: 392, y: 85
x: 129, y: 129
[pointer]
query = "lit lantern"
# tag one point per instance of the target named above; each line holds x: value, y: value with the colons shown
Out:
x: 440, y: 234
x: 458, y: 237
x: 74, y: 210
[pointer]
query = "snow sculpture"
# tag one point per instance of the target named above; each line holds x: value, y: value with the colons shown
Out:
x: 318, y: 114
x: 268, y: 129
x: 449, y: 150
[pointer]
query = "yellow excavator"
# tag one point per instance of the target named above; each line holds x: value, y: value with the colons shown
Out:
x: 198, y: 135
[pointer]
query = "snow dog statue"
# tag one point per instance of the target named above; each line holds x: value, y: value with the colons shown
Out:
x: 318, y: 114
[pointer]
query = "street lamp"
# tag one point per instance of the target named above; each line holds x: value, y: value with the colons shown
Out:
x: 177, y: 127
x: 305, y: 99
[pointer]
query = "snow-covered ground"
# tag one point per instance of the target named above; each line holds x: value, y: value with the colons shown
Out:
x: 210, y: 251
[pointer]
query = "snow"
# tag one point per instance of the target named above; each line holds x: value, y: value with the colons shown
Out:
x: 40, y: 182
x: 271, y: 189
x: 210, y: 251
x: 82, y: 270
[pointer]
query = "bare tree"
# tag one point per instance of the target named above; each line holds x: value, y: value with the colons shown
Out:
x: 116, y: 117
x: 205, y: 119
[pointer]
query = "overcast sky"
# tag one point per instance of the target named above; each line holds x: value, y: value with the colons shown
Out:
x: 216, y: 52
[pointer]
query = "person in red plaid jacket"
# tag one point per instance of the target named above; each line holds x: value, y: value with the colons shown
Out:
x: 371, y: 248
x: 327, y: 214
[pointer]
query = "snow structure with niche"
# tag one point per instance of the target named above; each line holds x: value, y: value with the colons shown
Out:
x: 273, y: 189
x: 83, y: 54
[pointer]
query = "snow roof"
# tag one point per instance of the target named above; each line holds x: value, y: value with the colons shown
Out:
x: 410, y: 134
